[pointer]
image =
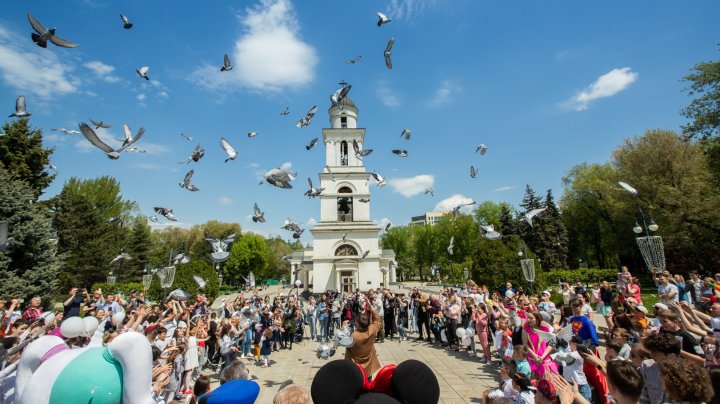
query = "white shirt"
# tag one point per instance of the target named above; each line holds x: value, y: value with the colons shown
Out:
x: 715, y: 325
x: 525, y: 397
x: 663, y: 289
x: 574, y: 371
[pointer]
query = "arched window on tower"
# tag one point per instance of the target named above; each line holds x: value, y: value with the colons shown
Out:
x: 343, y: 153
x: 346, y: 250
x: 345, y: 205
x: 343, y: 121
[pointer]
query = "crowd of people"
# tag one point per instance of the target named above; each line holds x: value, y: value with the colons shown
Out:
x: 542, y: 351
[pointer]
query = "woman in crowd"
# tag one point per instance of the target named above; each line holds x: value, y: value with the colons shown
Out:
x: 480, y: 319
x: 311, y: 316
x: 538, y: 350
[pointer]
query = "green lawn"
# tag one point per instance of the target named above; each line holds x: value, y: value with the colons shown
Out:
x: 649, y: 300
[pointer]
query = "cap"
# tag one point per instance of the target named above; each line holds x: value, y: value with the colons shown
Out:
x: 545, y: 292
x: 641, y: 309
x: 661, y: 306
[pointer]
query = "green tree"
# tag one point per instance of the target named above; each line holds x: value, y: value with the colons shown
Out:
x: 86, y: 239
x: 139, y: 249
x: 30, y: 264
x: 704, y: 110
x: 105, y: 196
x: 278, y: 267
x: 551, y: 238
x: 23, y: 155
x: 400, y: 240
x: 507, y: 223
x: 248, y: 253
x: 184, y: 280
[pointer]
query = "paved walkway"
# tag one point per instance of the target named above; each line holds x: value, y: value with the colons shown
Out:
x: 462, y: 378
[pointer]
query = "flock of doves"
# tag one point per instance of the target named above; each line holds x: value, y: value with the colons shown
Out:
x: 278, y: 177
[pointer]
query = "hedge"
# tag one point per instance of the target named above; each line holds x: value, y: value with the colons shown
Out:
x: 586, y: 275
x: 113, y: 288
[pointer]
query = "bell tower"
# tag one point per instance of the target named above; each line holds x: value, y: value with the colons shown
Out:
x: 346, y: 250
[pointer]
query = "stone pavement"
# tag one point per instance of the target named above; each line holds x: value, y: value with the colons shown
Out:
x: 462, y: 378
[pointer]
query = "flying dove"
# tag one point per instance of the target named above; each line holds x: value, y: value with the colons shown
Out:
x: 456, y: 209
x: 286, y: 112
x: 628, y: 188
x: 181, y: 258
x: 354, y: 60
x: 258, y: 215
x: 142, y: 72
x: 388, y: 53
x: 313, y: 192
x: 186, y: 137
x: 365, y: 254
x: 200, y: 281
x: 429, y: 191
x: 252, y: 134
x: 481, y: 148
x: 530, y: 215
x: 186, y: 182
x: 339, y: 95
x: 129, y: 138
x: 20, y: 109
x: 312, y: 144
x: 44, y: 35
x: 379, y: 178
x: 382, y: 19
x: 451, y: 246
x: 99, y: 124
x: 358, y: 152
x: 401, y: 153
x: 305, y: 121
x: 168, y: 213
x: 405, y: 133
x: 126, y: 23
x: 228, y: 149
x: 364, y: 200
x: 120, y: 258
x: 388, y: 225
x: 473, y: 172
x: 196, y: 155
x: 93, y: 138
x: 227, y: 66
x: 280, y: 178
x: 489, y: 232
x: 153, y: 219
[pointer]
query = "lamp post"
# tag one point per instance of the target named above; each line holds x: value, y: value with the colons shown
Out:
x: 651, y: 246
x: 146, y: 280
x: 297, y: 288
x: 111, y: 278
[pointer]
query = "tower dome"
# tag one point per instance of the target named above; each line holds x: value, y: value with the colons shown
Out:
x: 345, y: 117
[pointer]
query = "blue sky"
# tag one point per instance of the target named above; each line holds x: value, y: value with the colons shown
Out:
x: 545, y: 85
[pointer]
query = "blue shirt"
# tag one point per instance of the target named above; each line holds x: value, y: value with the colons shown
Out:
x: 585, y: 329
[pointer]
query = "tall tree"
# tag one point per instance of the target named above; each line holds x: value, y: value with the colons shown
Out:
x: 704, y: 110
x: 507, y: 223
x: 29, y: 265
x: 23, y: 155
x: 278, y: 267
x: 551, y: 236
x: 529, y: 202
x: 105, y: 196
x: 139, y: 249
x: 400, y: 240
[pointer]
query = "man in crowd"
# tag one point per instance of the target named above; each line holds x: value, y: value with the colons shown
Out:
x: 662, y: 346
x: 667, y: 292
x: 625, y: 383
x: 73, y: 303
x: 33, y: 311
x: 670, y: 324
x: 363, y: 351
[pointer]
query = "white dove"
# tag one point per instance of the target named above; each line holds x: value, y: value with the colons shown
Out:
x: 530, y: 215
x: 452, y: 244
x: 142, y: 72
x: 20, y: 109
x: 628, y: 188
x: 186, y: 182
x: 481, y: 148
x: 382, y: 19
x: 227, y: 66
x: 129, y: 138
x: 228, y: 149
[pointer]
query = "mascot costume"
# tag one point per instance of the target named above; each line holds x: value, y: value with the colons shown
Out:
x: 50, y: 372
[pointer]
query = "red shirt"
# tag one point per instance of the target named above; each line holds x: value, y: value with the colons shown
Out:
x: 32, y: 314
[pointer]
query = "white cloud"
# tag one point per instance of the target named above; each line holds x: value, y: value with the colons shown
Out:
x: 253, y: 165
x: 140, y: 97
x: 387, y: 97
x: 505, y: 188
x: 30, y: 69
x: 413, y: 185
x: 224, y: 200
x: 447, y: 204
x: 410, y: 9
x: 443, y: 94
x: 152, y: 166
x: 606, y: 85
x: 270, y: 56
x: 102, y: 71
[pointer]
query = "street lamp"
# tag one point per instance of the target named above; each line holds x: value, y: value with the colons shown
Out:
x: 527, y: 265
x: 651, y: 246
x: 111, y: 278
x: 297, y: 288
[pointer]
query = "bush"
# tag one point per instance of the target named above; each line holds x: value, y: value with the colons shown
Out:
x: 586, y: 275
x: 125, y: 288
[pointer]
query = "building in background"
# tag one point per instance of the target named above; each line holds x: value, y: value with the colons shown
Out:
x: 428, y: 218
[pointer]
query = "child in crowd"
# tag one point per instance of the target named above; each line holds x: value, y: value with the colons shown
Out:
x: 573, y: 370
x: 265, y: 351
x: 520, y: 357
x: 623, y: 281
x: 506, y: 393
x: 526, y: 391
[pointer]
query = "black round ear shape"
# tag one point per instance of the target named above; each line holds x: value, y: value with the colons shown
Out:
x: 337, y: 382
x: 376, y: 398
x: 414, y: 382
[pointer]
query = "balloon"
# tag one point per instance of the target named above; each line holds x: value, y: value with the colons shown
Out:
x: 443, y: 337
x: 460, y: 332
x: 118, y: 318
x: 509, y: 294
x: 470, y: 332
x: 91, y: 324
x: 72, y: 327
x: 466, y: 340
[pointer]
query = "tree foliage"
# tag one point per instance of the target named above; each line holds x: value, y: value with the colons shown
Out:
x: 29, y: 265
x: 23, y: 155
x: 248, y: 253
x: 704, y: 109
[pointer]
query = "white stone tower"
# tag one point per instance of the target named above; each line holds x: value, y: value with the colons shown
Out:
x: 334, y: 262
